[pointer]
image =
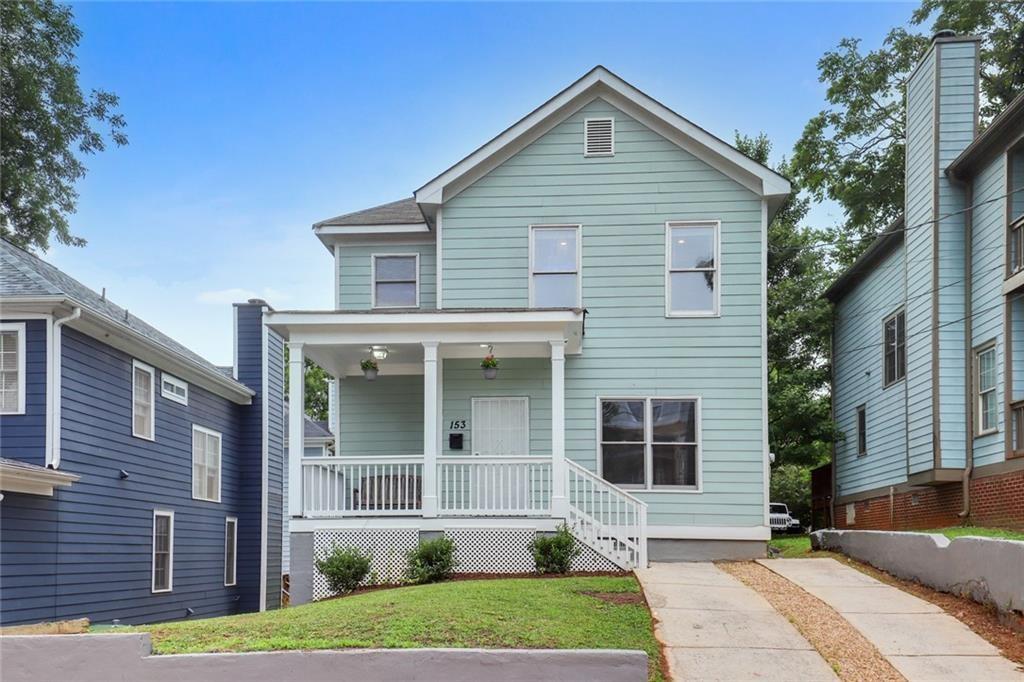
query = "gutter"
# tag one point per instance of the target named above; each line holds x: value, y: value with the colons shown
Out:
x: 53, y: 390
x: 968, y: 350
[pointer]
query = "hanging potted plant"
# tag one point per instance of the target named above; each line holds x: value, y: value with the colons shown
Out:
x: 490, y: 366
x: 370, y: 369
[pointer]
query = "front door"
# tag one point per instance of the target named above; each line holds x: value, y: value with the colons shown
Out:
x: 501, y: 427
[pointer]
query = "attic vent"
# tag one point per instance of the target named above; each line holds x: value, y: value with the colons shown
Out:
x: 599, y: 137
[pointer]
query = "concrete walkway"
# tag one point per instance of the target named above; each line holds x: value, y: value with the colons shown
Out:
x: 716, y: 628
x: 920, y: 640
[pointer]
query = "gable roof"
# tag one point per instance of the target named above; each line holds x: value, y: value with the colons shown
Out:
x: 883, y: 244
x: 401, y: 212
x: 600, y: 82
x: 23, y: 275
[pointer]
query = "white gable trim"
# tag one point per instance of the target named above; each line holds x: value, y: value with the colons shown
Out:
x: 601, y: 83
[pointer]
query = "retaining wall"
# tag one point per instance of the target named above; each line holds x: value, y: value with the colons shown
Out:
x: 985, y: 569
x: 127, y: 657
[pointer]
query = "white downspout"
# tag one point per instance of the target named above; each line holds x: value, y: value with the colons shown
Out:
x: 53, y: 390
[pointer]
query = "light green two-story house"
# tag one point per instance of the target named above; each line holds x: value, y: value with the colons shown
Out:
x: 610, y: 254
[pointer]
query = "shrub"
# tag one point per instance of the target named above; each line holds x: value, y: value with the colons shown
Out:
x: 344, y: 568
x: 554, y: 553
x: 432, y: 561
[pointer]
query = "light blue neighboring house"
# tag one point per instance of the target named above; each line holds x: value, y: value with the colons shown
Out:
x: 611, y: 255
x: 928, y: 345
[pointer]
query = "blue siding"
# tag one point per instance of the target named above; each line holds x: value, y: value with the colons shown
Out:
x: 24, y: 435
x: 859, y: 379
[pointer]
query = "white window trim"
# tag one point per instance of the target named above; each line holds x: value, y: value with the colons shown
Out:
x: 648, y: 487
x: 579, y: 258
x: 472, y: 421
x: 234, y: 554
x: 170, y: 554
x: 174, y: 381
x: 220, y: 461
x: 717, y: 305
x: 978, y: 408
x: 136, y: 365
x: 586, y: 125
x: 19, y: 329
x: 885, y: 323
x: 373, y: 280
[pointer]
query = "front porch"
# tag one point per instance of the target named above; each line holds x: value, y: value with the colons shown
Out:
x: 433, y: 445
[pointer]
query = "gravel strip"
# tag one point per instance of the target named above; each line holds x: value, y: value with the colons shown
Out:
x: 851, y: 655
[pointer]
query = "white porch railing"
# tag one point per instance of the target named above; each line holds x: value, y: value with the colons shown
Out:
x: 606, y: 518
x: 365, y: 486
x: 494, y: 486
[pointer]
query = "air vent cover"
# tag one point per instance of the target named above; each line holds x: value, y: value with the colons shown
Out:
x: 599, y: 137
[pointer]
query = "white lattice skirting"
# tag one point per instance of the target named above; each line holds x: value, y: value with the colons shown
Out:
x: 478, y: 550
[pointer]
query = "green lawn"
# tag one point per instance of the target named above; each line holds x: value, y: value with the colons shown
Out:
x: 514, y: 613
x: 795, y: 546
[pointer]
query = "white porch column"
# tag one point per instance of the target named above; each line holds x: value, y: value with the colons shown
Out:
x: 431, y: 411
x: 559, y: 502
x: 334, y: 406
x: 296, y: 410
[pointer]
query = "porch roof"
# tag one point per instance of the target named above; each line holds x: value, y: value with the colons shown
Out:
x: 337, y: 339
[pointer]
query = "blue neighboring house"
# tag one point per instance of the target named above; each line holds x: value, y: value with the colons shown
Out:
x: 928, y: 344
x: 139, y: 482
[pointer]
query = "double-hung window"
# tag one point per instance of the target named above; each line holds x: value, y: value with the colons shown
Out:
x: 143, y: 388
x: 163, y: 551
x: 12, y: 368
x: 396, y: 280
x: 692, y: 269
x: 650, y: 443
x: 230, y: 550
x: 985, y: 383
x: 555, y: 266
x: 895, y: 331
x: 205, y: 464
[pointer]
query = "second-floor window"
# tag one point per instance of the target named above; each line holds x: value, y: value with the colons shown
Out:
x: 396, y: 281
x: 555, y: 266
x: 895, y: 331
x: 12, y: 368
x: 985, y: 380
x: 205, y: 464
x: 692, y: 270
x: 143, y: 389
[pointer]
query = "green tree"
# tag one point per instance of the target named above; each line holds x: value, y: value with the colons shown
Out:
x: 852, y: 152
x: 316, y: 388
x: 799, y: 420
x: 46, y: 123
x: 791, y: 485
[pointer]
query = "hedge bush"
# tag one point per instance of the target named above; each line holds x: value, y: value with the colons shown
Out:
x: 554, y: 553
x: 344, y: 568
x: 432, y: 561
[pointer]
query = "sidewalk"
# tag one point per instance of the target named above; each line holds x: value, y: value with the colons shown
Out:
x: 716, y: 628
x: 918, y: 638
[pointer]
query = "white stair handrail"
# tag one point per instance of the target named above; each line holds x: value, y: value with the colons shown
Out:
x: 606, y: 518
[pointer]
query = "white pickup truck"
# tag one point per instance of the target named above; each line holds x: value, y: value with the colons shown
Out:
x: 781, y: 521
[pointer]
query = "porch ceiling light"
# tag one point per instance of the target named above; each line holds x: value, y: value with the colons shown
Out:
x: 379, y: 352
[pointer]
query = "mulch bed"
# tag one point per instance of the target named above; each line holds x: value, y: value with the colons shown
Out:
x: 1005, y: 632
x: 850, y: 654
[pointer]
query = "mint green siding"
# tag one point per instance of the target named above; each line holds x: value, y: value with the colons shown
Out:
x: 382, y: 417
x: 921, y: 176
x: 631, y: 348
x: 859, y: 379
x: 354, y: 273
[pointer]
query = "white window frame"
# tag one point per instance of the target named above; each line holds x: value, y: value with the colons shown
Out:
x: 373, y: 280
x: 989, y: 347
x: 649, y: 486
x: 19, y: 329
x: 234, y: 551
x: 220, y: 461
x: 586, y: 126
x: 716, y: 225
x: 901, y: 372
x: 579, y: 259
x: 141, y: 366
x: 170, y: 553
x: 174, y: 381
x: 476, y: 400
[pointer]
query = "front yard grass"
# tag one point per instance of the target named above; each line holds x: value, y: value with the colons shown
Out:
x: 528, y: 613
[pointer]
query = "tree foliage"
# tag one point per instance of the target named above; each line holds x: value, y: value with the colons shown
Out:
x: 852, y: 152
x: 46, y: 123
x: 799, y: 421
x: 791, y: 485
x: 316, y: 388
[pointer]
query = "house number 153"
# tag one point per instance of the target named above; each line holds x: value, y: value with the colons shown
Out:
x: 457, y: 424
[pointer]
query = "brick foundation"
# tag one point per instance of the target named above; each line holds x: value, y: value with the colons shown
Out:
x: 996, y: 501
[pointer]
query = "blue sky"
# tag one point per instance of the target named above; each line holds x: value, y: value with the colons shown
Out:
x: 249, y: 121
